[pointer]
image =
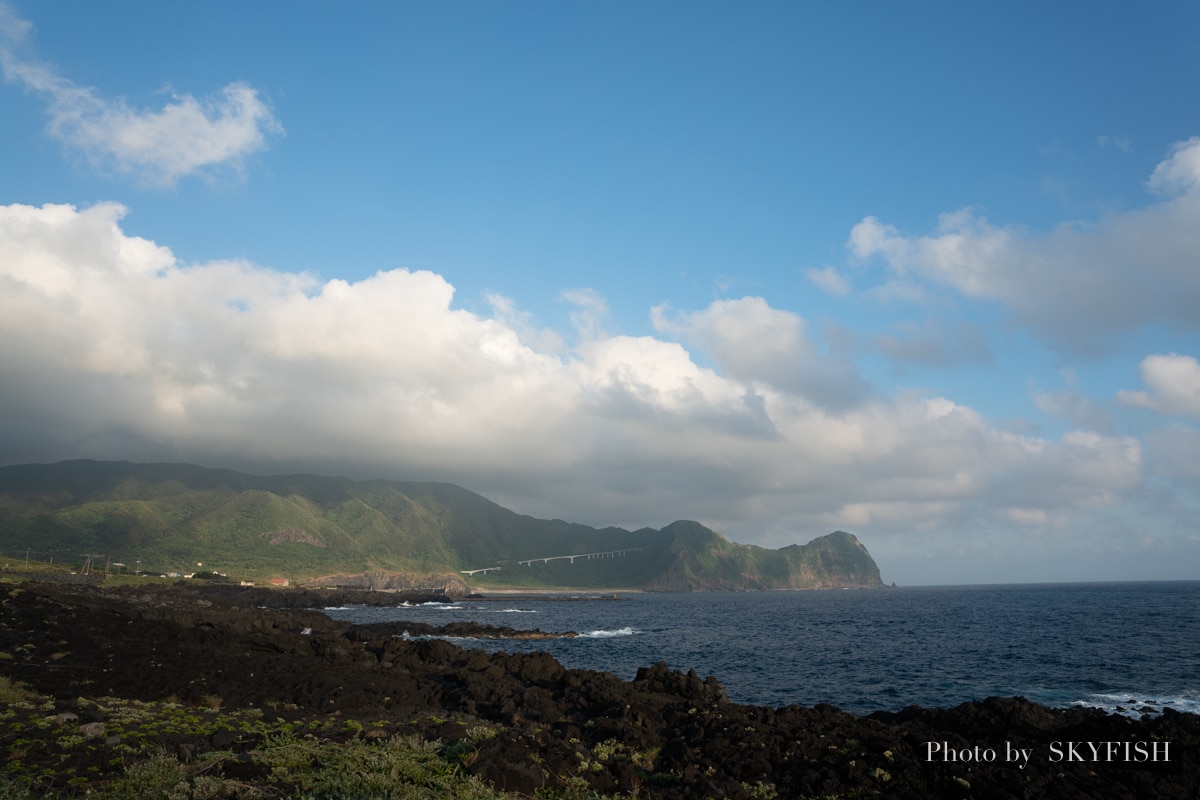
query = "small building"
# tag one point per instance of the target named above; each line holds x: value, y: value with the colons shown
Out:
x: 278, y: 581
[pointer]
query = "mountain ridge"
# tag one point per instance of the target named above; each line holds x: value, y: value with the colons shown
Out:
x: 173, y: 515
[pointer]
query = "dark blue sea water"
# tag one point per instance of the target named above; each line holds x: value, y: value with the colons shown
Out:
x: 1112, y: 645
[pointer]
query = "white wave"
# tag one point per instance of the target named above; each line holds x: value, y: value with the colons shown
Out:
x: 334, y: 608
x: 408, y: 637
x: 1133, y: 704
x: 516, y: 611
x: 609, y: 634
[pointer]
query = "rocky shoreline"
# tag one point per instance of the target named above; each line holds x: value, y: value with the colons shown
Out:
x: 521, y: 723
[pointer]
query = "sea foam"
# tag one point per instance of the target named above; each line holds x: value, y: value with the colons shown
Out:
x: 608, y: 634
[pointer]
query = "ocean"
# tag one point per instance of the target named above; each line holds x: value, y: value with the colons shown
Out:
x: 1125, y: 647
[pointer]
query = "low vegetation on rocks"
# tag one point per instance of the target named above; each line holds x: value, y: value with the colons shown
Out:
x: 130, y: 749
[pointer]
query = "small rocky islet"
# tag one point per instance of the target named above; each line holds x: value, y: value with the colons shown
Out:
x: 212, y: 681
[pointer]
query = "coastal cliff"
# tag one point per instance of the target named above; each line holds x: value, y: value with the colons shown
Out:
x: 172, y: 518
x: 703, y: 560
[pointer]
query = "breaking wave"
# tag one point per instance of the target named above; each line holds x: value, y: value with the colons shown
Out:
x: 608, y: 634
x: 1136, y: 705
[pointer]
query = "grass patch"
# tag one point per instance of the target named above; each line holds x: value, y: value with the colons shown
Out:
x: 162, y: 751
x: 14, y: 691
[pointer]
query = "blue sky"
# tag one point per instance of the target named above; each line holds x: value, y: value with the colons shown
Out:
x: 928, y: 276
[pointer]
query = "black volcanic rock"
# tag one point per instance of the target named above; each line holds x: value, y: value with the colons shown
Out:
x: 666, y: 734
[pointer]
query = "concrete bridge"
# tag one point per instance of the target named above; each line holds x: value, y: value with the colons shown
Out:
x: 585, y: 556
x: 477, y: 571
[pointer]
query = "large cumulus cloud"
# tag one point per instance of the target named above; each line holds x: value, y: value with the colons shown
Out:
x: 111, y: 348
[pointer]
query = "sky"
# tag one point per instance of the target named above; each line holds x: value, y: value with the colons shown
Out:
x: 925, y: 273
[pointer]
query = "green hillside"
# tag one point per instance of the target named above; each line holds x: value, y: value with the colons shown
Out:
x: 170, y: 518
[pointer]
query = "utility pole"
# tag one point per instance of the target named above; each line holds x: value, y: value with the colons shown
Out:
x: 89, y: 564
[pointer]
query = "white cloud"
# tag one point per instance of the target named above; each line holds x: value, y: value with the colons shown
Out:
x: 505, y: 311
x: 1078, y: 284
x: 1122, y: 143
x: 1072, y: 404
x: 111, y: 348
x: 12, y: 27
x: 937, y: 343
x: 899, y: 291
x: 752, y: 342
x: 1174, y: 454
x: 1174, y: 385
x: 829, y: 280
x: 1027, y: 516
x: 186, y: 136
x: 1180, y: 173
x: 590, y: 311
